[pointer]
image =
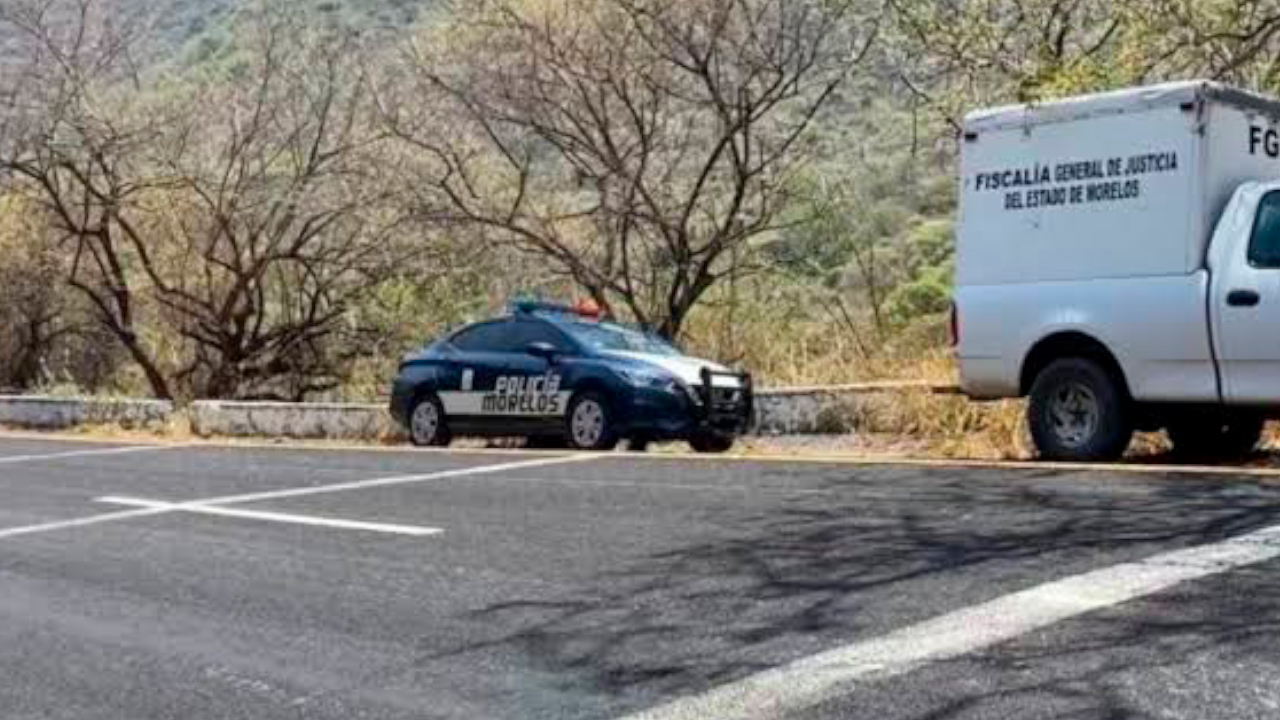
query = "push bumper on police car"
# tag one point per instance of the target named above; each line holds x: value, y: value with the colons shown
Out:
x: 721, y: 403
x: 725, y: 408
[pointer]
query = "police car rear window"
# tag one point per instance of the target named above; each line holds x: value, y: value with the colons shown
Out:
x: 486, y: 337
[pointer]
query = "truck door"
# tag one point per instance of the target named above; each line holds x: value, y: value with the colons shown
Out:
x: 1245, y: 298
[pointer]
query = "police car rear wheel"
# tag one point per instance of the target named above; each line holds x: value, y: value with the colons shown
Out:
x: 427, y: 426
x: 590, y: 427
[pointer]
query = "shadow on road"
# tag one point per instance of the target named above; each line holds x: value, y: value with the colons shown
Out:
x: 882, y: 549
x: 1205, y: 650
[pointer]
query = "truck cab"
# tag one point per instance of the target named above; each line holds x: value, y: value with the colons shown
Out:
x: 1119, y: 265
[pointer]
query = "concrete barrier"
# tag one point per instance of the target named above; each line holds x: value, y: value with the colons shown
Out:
x: 826, y: 410
x: 60, y: 413
x: 333, y: 421
x: 784, y: 411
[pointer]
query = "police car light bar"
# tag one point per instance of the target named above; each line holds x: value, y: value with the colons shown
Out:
x: 586, y: 309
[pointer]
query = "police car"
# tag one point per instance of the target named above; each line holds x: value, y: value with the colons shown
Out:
x: 562, y: 376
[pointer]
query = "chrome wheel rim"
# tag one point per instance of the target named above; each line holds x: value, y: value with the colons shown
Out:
x: 1074, y: 415
x: 587, y: 424
x: 426, y: 422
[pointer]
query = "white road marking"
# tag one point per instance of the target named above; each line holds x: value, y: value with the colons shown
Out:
x: 836, y: 673
x: 82, y: 453
x: 288, y: 518
x: 293, y: 492
x: 389, y: 481
x: 646, y: 485
x: 6, y: 533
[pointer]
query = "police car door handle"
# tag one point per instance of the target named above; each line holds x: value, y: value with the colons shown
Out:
x: 1243, y: 298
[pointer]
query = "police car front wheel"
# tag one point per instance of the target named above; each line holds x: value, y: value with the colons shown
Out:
x: 427, y: 427
x: 590, y: 426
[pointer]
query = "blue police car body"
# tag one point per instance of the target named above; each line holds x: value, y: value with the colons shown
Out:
x: 551, y: 374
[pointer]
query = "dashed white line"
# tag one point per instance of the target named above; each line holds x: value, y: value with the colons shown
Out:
x: 835, y: 673
x: 12, y: 459
x: 287, y: 518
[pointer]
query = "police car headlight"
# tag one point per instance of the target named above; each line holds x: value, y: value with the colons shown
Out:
x: 649, y: 379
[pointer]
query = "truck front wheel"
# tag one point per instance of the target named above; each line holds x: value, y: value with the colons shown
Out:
x: 1079, y: 412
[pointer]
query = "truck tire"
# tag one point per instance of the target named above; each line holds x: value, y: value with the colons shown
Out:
x: 1079, y: 412
x: 1231, y: 437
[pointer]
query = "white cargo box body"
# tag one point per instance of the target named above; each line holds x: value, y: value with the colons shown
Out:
x: 1092, y: 216
x: 1118, y: 185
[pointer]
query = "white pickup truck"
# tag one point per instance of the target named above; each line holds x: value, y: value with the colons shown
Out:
x: 1119, y: 263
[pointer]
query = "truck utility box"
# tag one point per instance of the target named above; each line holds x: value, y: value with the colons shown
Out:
x: 1121, y: 184
x: 1118, y: 263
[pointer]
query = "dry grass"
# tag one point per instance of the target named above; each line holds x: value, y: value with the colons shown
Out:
x: 919, y: 421
x: 950, y: 426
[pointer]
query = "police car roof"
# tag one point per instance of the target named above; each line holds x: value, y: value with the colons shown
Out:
x: 530, y: 306
x: 557, y: 313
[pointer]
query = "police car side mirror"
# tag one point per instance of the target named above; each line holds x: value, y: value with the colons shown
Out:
x: 543, y: 350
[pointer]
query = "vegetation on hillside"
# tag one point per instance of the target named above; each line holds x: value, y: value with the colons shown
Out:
x: 271, y: 199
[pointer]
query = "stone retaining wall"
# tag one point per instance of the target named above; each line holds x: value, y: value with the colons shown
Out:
x: 826, y: 410
x: 790, y: 411
x: 287, y: 420
x: 59, y: 413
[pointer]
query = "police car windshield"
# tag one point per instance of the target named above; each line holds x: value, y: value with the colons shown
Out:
x: 611, y: 337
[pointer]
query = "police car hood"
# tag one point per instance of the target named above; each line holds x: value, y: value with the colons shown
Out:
x: 686, y: 369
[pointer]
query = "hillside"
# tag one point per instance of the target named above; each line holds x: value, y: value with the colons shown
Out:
x: 191, y: 30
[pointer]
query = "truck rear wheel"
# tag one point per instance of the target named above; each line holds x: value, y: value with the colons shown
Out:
x: 1216, y: 438
x: 1079, y: 412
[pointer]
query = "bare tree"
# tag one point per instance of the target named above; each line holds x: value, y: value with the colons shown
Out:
x: 280, y: 220
x: 241, y: 210
x: 37, y: 313
x: 639, y: 145
x: 66, y: 138
x: 957, y: 54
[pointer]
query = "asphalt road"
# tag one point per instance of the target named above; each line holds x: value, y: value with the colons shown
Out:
x: 235, y: 582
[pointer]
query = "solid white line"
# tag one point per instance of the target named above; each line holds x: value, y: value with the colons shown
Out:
x: 387, y: 481
x: 6, y: 533
x: 835, y: 673
x: 289, y: 518
x: 295, y: 492
x: 82, y: 453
